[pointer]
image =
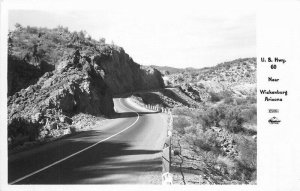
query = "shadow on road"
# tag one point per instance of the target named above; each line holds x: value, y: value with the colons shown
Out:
x: 106, y: 163
x: 98, y: 165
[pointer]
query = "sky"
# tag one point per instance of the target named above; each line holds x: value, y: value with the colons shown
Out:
x: 180, y: 34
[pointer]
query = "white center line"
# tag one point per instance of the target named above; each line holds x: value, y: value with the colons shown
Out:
x: 63, y: 159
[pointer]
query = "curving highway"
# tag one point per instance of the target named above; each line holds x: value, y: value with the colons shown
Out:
x: 124, y: 150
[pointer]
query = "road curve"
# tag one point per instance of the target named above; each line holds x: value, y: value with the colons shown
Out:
x: 124, y: 150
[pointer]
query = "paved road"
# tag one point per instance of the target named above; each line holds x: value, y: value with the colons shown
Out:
x: 124, y: 150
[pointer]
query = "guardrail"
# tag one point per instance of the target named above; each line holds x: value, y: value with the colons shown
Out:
x: 167, y: 177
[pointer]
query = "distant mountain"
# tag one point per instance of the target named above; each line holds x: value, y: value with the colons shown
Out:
x: 167, y: 69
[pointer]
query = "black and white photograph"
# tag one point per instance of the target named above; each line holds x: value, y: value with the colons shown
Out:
x: 189, y: 94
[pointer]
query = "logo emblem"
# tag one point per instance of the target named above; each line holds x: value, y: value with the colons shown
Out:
x: 274, y: 120
x: 273, y: 110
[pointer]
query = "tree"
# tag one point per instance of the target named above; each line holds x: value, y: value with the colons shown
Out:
x: 102, y: 41
x: 10, y: 43
x: 18, y: 26
x: 82, y: 34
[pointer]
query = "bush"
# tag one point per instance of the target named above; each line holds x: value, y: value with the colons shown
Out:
x: 233, y: 120
x: 180, y: 123
x: 251, y: 99
x: 228, y: 100
x: 73, y: 129
x: 183, y: 111
x: 215, y: 97
x: 227, y: 164
x: 194, y: 129
x: 207, y: 140
x: 250, y: 114
x: 20, y: 127
x: 241, y: 101
x: 247, y: 159
x: 213, y: 116
x: 201, y: 138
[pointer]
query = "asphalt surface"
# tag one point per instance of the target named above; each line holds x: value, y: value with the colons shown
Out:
x: 124, y: 150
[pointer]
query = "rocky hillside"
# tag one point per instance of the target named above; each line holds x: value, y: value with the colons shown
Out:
x: 215, y: 122
x: 237, y: 77
x: 123, y: 75
x: 46, y: 108
x: 195, y: 87
x: 34, y: 51
x: 239, y: 70
x: 55, y: 75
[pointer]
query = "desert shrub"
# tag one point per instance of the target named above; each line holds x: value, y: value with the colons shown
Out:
x: 215, y: 97
x: 227, y: 165
x: 180, y: 79
x: 233, y: 120
x: 247, y: 159
x: 73, y: 129
x: 182, y: 111
x: 252, y: 99
x: 228, y: 100
x: 230, y: 117
x: 207, y: 140
x: 226, y: 161
x: 209, y: 157
x: 213, y: 116
x: 210, y: 117
x: 20, y: 127
x: 179, y: 123
x: 218, y: 96
x: 241, y: 101
x: 33, y: 30
x: 194, y: 129
x: 250, y: 114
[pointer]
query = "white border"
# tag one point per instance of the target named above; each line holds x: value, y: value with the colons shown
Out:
x: 278, y: 148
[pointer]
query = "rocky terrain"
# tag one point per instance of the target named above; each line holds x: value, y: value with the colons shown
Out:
x: 55, y: 75
x: 230, y: 80
x: 60, y: 82
x: 214, y: 127
x: 34, y: 51
x: 237, y: 77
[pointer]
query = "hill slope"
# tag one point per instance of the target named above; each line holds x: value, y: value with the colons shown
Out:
x: 55, y: 75
x: 214, y: 126
x: 38, y: 50
x: 237, y: 78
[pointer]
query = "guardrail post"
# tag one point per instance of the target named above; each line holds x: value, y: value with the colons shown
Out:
x: 167, y: 154
x: 170, y: 152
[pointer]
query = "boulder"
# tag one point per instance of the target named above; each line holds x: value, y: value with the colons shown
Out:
x: 36, y: 117
x: 65, y: 119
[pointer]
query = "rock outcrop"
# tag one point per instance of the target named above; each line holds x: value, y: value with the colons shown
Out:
x: 35, y: 51
x: 123, y: 75
x: 54, y: 74
x: 22, y: 74
x: 237, y: 77
x: 41, y: 109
